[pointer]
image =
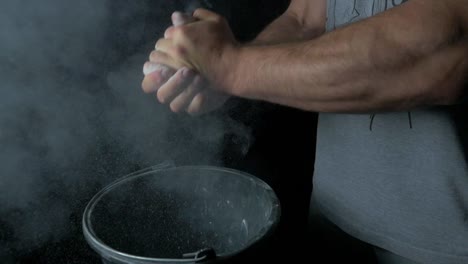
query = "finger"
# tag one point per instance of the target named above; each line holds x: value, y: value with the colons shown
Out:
x: 154, y: 80
x: 206, y: 101
x: 179, y: 18
x: 169, y: 32
x: 163, y: 45
x: 183, y: 100
x: 175, y: 85
x: 159, y: 57
x: 204, y: 14
x: 167, y: 46
x: 196, y: 106
x: 151, y: 67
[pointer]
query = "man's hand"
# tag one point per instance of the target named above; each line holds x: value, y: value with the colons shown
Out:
x: 207, y: 46
x: 182, y: 89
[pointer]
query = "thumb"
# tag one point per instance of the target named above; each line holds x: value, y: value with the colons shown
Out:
x: 179, y: 19
x: 204, y: 14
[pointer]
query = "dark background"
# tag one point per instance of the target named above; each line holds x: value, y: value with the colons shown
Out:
x: 280, y: 141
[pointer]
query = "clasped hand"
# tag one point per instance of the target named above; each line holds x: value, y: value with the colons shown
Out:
x: 189, y: 65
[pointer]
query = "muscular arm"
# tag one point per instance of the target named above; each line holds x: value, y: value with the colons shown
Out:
x: 411, y: 56
x: 302, y: 20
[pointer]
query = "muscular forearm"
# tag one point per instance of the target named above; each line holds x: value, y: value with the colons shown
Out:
x: 412, y: 56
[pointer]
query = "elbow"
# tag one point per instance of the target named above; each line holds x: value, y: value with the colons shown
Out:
x: 449, y: 84
x: 449, y: 96
x: 449, y: 91
x: 444, y: 80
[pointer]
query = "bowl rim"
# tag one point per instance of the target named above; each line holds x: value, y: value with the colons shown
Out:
x: 108, y: 252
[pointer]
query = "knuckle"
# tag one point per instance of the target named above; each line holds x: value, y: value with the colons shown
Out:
x: 178, y: 51
x: 153, y: 55
x: 178, y: 31
x: 156, y: 56
x: 168, y: 32
x: 198, y: 11
x: 158, y: 43
x: 198, y: 82
x: 181, y: 32
x: 218, y: 19
x: 175, y: 53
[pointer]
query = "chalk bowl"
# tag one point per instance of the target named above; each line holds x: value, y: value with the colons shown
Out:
x: 180, y: 215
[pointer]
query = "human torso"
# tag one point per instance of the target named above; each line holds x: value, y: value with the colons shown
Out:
x: 397, y: 180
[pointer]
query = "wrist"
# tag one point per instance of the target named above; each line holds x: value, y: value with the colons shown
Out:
x: 227, y: 76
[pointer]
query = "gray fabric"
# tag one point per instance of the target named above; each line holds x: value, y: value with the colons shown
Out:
x: 395, y: 180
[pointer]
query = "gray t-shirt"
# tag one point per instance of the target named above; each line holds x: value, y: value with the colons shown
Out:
x: 396, y: 180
